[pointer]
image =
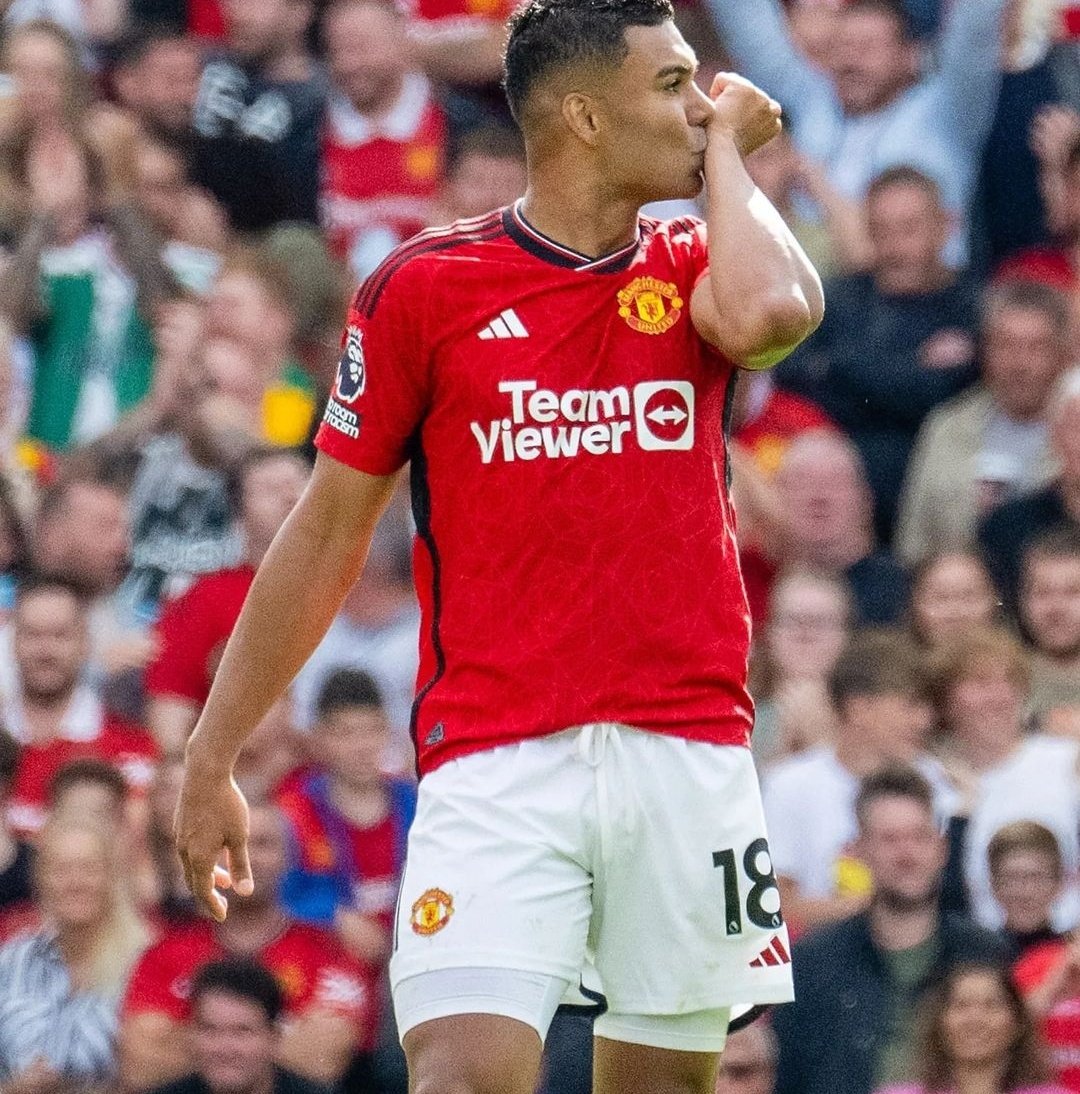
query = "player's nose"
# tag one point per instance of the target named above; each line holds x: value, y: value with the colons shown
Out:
x: 699, y: 107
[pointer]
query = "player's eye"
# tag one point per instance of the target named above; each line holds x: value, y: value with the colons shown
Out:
x: 674, y: 85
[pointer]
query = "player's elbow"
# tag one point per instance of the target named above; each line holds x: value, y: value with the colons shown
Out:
x: 774, y: 329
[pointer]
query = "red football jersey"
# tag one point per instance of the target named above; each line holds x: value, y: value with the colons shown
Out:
x: 192, y: 633
x: 309, y: 964
x: 576, y: 558
x: 379, y: 185
x: 1061, y: 1027
x: 498, y: 10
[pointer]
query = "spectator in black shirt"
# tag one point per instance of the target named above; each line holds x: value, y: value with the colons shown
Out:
x: 16, y: 872
x: 236, y: 1006
x: 895, y: 342
x: 258, y: 116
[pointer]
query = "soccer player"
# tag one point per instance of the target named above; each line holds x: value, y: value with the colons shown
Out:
x: 558, y: 373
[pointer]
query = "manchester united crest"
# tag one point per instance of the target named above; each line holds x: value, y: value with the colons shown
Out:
x: 650, y: 305
x: 432, y: 912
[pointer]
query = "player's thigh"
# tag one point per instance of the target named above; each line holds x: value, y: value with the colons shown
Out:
x: 495, y: 876
x: 620, y: 1066
x: 473, y: 1054
x: 688, y: 912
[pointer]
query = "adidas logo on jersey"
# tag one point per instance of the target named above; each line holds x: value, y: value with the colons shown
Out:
x: 775, y: 953
x: 658, y: 415
x: 506, y: 325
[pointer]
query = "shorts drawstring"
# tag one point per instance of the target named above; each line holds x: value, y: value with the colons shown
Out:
x: 616, y: 799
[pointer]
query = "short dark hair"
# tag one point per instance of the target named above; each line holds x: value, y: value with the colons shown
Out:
x: 496, y: 142
x: 893, y: 9
x: 903, y: 174
x: 1062, y: 541
x: 893, y: 781
x: 35, y: 583
x: 9, y: 759
x: 1024, y: 835
x: 240, y: 977
x: 550, y: 34
x: 347, y: 688
x: 1024, y: 294
x: 878, y: 662
x: 133, y: 48
x: 97, y: 772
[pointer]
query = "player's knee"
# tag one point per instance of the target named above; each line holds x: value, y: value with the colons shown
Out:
x: 455, y: 1079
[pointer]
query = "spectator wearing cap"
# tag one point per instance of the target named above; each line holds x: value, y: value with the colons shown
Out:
x: 1050, y: 612
x: 258, y: 114
x: 981, y: 684
x: 910, y: 311
x: 328, y: 996
x: 384, y: 138
x: 1007, y: 530
x: 871, y: 109
x: 880, y: 693
x: 857, y: 981
x: 235, y: 1032
x: 990, y: 443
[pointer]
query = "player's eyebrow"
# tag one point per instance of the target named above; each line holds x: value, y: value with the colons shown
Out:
x: 677, y: 70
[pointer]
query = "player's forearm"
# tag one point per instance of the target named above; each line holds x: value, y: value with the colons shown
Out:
x: 300, y: 585
x: 764, y: 287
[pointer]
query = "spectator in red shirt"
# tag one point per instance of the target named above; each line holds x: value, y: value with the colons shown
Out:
x: 1049, y: 977
x: 384, y: 137
x: 195, y: 626
x: 350, y: 820
x: 52, y: 712
x: 328, y: 996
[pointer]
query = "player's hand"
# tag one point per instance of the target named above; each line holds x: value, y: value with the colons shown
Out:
x: 212, y: 817
x: 744, y: 112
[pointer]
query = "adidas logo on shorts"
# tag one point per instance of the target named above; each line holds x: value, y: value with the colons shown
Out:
x: 774, y: 954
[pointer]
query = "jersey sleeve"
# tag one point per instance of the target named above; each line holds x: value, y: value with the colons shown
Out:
x: 383, y: 382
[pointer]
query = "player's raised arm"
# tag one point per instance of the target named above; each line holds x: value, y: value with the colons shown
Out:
x: 763, y: 295
x: 301, y: 583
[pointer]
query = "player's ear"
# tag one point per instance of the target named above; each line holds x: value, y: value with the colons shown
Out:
x: 581, y: 113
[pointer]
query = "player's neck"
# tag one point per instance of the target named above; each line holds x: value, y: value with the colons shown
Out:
x: 588, y: 222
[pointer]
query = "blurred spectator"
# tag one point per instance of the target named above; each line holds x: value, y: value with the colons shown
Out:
x: 805, y: 632
x: 1026, y: 876
x: 982, y: 685
x: 258, y: 114
x: 990, y: 443
x: 236, y: 1008
x: 1049, y: 977
x: 881, y: 696
x: 350, y: 821
x: 14, y: 546
x: 976, y: 1034
x: 1007, y: 530
x: 836, y: 242
x: 53, y: 713
x: 195, y: 626
x: 376, y: 631
x: 1050, y: 611
x: 92, y: 791
x: 819, y: 515
x: 16, y: 857
x: 156, y: 77
x: 897, y: 341
x: 748, y: 1063
x: 82, y: 286
x: 851, y: 1027
x: 487, y: 172
x: 870, y: 111
x: 60, y: 987
x: 950, y: 594
x: 384, y: 140
x: 460, y: 42
x: 167, y: 899
x: 327, y: 997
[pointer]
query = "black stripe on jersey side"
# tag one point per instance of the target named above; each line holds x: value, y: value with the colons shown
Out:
x: 420, y: 489
x: 554, y: 257
x: 373, y: 287
x: 725, y: 420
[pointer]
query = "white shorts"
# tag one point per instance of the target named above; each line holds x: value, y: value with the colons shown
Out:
x: 631, y: 863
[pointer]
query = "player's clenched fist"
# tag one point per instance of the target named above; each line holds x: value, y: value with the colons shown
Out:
x: 744, y: 111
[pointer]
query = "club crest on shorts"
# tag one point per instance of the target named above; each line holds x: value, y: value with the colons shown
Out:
x: 432, y: 912
x: 352, y: 376
x: 650, y: 305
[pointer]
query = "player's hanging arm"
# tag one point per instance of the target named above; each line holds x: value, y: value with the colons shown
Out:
x: 762, y: 296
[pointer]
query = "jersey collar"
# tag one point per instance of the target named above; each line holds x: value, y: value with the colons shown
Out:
x: 536, y: 243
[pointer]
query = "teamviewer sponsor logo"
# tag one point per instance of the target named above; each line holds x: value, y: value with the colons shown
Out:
x: 541, y: 423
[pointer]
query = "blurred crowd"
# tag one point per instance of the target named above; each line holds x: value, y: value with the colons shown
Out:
x: 189, y: 192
